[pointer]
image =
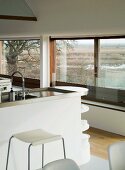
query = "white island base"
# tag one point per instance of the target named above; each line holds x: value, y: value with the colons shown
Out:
x: 59, y: 115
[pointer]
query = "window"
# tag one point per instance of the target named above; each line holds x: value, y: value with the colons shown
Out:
x: 112, y: 63
x: 75, y: 61
x: 23, y: 56
x: 96, y: 63
x: 20, y: 55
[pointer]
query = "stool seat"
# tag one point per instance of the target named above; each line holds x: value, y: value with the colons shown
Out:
x: 37, y: 137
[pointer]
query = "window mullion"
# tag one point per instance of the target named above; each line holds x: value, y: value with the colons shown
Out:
x: 96, y: 59
x: 52, y: 59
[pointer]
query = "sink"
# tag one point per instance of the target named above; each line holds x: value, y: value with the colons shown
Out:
x: 6, y: 97
x: 28, y: 96
x: 32, y: 94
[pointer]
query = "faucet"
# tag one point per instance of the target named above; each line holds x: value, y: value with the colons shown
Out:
x: 23, y: 82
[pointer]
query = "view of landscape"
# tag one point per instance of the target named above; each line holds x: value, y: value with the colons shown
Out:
x: 112, y: 63
x: 75, y: 62
x: 20, y: 55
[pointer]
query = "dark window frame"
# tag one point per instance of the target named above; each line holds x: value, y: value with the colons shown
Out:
x: 92, y: 89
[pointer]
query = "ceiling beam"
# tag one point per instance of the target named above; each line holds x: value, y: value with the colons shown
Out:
x: 10, y: 17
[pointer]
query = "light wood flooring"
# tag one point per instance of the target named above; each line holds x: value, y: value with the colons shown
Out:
x: 100, y: 140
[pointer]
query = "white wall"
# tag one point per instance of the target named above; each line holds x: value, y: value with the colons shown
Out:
x: 68, y: 17
x: 44, y: 62
x: 106, y: 119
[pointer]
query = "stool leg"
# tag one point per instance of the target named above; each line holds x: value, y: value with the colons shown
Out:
x: 29, y: 156
x: 64, y: 148
x: 42, y: 155
x: 8, y: 152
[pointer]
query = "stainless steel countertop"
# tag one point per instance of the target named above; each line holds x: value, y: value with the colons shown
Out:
x: 36, y: 95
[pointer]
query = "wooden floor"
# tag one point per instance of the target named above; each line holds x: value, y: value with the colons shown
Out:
x: 100, y: 140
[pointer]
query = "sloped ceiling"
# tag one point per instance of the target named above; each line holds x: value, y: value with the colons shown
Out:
x: 10, y: 9
x: 69, y: 17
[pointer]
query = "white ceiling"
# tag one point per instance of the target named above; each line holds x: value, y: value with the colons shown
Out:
x: 68, y: 17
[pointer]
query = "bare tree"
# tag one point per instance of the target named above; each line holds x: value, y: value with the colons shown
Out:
x: 14, y: 48
x: 69, y: 44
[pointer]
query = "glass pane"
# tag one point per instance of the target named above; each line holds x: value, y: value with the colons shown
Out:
x: 20, y: 55
x: 75, y: 61
x: 112, y: 63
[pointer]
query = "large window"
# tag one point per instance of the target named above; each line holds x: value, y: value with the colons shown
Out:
x: 96, y: 63
x: 112, y: 63
x: 75, y: 61
x: 20, y: 55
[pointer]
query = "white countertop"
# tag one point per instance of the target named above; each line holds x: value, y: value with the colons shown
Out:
x: 81, y: 90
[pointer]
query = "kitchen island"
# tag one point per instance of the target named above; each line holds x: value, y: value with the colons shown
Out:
x: 58, y: 114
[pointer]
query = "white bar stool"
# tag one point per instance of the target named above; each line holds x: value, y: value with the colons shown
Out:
x: 35, y: 137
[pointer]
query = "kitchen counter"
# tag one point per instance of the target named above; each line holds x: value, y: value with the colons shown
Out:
x: 58, y: 113
x: 81, y: 90
x: 35, y: 95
